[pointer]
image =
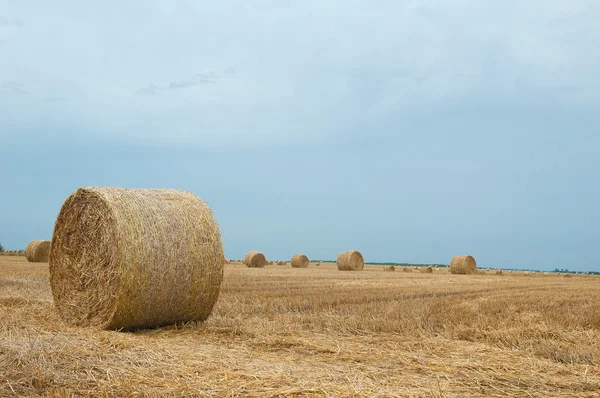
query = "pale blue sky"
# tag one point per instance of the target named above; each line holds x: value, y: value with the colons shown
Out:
x: 409, y: 130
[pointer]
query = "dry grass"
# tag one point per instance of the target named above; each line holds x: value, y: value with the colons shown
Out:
x: 255, y: 260
x: 300, y: 261
x: 38, y: 251
x: 116, y: 263
x: 320, y: 332
x: 463, y: 265
x: 350, y: 261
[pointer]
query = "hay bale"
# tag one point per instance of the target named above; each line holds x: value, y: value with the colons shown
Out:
x: 255, y: 260
x: 135, y: 258
x: 318, y: 264
x: 350, y: 261
x: 300, y: 261
x: 426, y: 270
x: 390, y: 268
x: 407, y: 269
x: 463, y: 265
x: 498, y: 272
x: 38, y: 251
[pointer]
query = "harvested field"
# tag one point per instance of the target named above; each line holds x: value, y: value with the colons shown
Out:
x: 280, y: 332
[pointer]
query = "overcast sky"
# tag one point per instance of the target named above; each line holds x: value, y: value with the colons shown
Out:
x: 409, y: 130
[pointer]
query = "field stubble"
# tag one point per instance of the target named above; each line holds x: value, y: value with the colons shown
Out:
x: 279, y: 331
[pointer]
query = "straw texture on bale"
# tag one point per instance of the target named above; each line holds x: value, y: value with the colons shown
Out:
x: 135, y: 258
x: 300, y: 261
x: 38, y: 251
x: 255, y: 260
x: 463, y: 265
x: 426, y: 270
x: 350, y: 261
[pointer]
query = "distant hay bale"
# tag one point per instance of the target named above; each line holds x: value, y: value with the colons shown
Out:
x: 407, y: 269
x: 498, y: 272
x: 255, y: 260
x: 390, y: 268
x: 269, y: 262
x: 426, y: 270
x: 463, y: 265
x: 318, y: 264
x: 300, y: 261
x: 350, y: 261
x: 568, y: 276
x: 227, y: 261
x: 135, y: 258
x: 38, y: 251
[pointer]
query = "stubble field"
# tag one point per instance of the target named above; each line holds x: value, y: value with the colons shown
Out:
x: 279, y: 331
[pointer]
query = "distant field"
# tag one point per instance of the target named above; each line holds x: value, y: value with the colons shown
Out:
x: 279, y: 331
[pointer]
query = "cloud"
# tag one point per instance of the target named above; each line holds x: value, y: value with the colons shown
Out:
x: 52, y: 98
x: 11, y: 22
x: 196, y: 80
x: 150, y: 90
x: 298, y: 71
x: 12, y: 87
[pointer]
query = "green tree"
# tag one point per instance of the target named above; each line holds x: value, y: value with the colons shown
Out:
x: 1, y: 248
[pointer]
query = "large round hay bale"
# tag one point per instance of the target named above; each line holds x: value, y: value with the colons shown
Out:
x: 300, y: 261
x: 390, y: 268
x: 463, y: 265
x: 255, y: 260
x: 350, y: 261
x: 135, y: 258
x: 426, y: 270
x: 406, y: 269
x: 38, y: 251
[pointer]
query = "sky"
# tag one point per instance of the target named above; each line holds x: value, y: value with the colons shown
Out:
x: 412, y: 131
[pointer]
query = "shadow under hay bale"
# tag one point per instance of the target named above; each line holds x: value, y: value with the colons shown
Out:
x: 300, y: 261
x: 135, y: 258
x: 38, y: 251
x: 255, y: 260
x: 463, y: 265
x: 350, y: 261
